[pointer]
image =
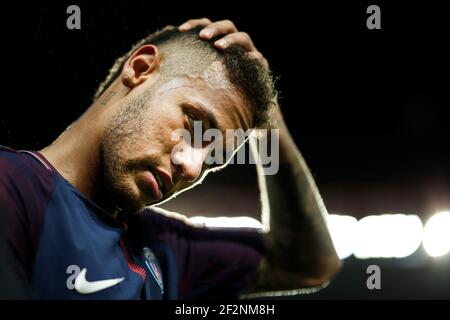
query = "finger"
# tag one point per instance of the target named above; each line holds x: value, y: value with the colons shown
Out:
x: 258, y: 56
x: 192, y: 23
x: 238, y: 38
x: 218, y: 28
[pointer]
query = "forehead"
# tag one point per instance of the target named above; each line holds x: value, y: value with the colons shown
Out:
x: 213, y: 91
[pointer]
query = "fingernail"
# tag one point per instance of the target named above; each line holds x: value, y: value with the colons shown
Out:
x: 222, y: 43
x: 206, y: 33
x: 184, y: 27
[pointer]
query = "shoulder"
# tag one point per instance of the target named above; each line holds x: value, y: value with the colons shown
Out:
x: 162, y: 220
x: 169, y: 224
x: 26, y: 186
x: 25, y: 182
x: 9, y: 160
x: 22, y: 165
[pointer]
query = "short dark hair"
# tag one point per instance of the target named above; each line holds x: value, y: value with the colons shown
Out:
x: 248, y: 76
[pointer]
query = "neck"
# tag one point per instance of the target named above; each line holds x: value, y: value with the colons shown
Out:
x: 76, y: 152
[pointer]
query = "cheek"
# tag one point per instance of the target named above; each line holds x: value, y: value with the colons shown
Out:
x: 156, y: 133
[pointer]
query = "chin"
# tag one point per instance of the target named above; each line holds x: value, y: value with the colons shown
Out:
x: 139, y: 202
x: 125, y: 198
x: 129, y: 196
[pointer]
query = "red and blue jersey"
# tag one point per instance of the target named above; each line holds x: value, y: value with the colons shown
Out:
x: 64, y: 246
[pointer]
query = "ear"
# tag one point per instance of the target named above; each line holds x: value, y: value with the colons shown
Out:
x: 142, y: 64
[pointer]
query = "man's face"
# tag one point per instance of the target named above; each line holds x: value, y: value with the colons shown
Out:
x: 144, y: 160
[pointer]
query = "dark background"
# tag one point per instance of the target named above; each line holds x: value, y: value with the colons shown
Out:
x: 367, y: 108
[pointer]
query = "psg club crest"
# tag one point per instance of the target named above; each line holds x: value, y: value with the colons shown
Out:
x: 152, y: 265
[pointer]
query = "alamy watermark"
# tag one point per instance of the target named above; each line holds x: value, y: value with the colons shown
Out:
x: 374, y: 280
x: 374, y: 20
x: 223, y: 149
x: 74, y: 19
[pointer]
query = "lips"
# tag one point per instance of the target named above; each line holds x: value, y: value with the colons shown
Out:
x: 164, y: 180
x: 159, y: 182
x: 153, y: 185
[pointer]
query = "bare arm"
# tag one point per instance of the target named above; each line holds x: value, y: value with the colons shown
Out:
x: 300, y: 252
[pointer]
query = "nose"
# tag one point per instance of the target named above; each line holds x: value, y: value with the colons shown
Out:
x: 189, y: 161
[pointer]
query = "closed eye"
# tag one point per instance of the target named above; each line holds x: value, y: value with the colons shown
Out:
x: 192, y: 119
x: 193, y: 125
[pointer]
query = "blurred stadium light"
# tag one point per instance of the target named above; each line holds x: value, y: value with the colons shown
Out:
x: 437, y: 234
x: 374, y: 236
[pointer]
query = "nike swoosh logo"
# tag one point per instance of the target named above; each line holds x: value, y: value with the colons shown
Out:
x: 87, y: 287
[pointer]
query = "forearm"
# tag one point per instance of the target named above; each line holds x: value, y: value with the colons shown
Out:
x: 299, y: 241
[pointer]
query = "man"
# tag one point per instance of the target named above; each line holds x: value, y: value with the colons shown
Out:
x: 80, y: 225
